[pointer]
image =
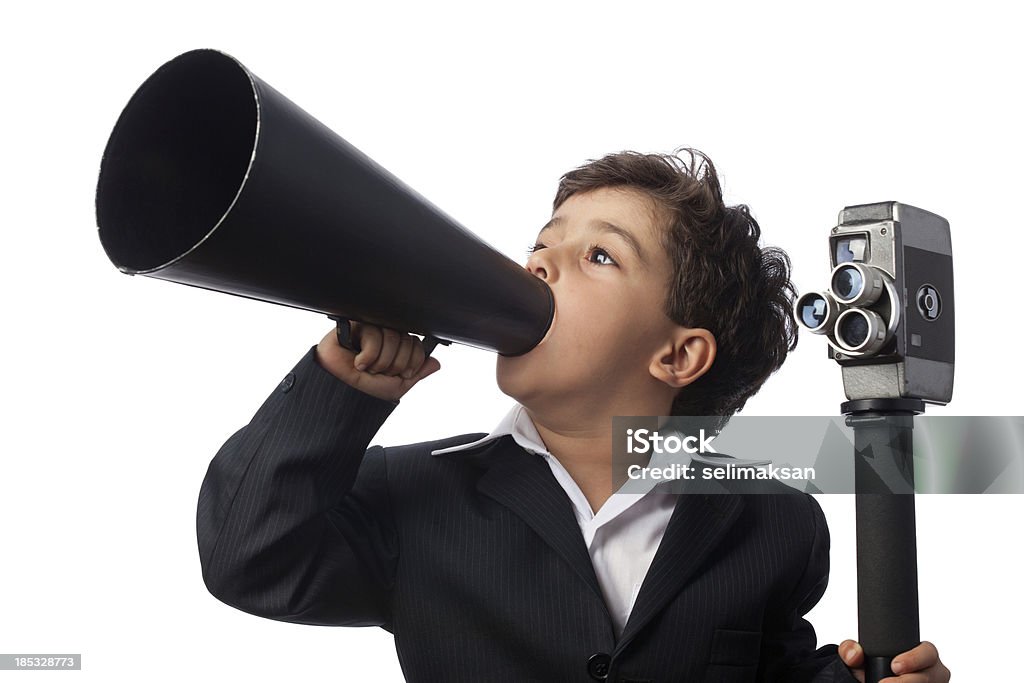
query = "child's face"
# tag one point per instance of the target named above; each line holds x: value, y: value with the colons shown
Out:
x: 609, y: 322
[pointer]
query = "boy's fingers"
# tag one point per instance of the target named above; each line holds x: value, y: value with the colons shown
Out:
x: 852, y: 655
x: 915, y: 659
x: 369, y: 339
x: 388, y: 349
x: 417, y: 358
x: 400, y: 365
x: 851, y: 652
x: 429, y: 368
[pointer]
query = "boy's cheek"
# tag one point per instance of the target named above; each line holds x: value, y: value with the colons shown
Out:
x: 550, y: 330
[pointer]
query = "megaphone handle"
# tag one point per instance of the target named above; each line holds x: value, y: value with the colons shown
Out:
x: 344, y: 332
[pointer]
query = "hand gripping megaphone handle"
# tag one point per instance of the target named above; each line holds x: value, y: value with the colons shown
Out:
x: 344, y: 332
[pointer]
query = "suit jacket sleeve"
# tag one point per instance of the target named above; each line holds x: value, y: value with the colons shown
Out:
x: 293, y: 519
x: 788, y: 652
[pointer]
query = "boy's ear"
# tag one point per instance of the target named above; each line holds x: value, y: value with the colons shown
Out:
x: 688, y: 354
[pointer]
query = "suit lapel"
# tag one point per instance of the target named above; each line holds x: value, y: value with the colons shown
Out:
x: 698, y: 524
x: 523, y: 482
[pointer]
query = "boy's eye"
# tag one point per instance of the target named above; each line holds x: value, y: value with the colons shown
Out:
x: 593, y: 249
x: 596, y: 250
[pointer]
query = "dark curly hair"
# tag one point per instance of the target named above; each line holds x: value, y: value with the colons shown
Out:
x: 721, y: 279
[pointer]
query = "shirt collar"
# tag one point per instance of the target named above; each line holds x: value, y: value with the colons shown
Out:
x: 520, y: 426
x: 516, y: 422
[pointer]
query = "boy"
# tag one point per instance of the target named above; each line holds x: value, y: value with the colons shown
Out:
x: 505, y: 556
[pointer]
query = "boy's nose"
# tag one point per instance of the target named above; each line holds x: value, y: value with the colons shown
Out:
x: 537, y: 270
x: 539, y: 266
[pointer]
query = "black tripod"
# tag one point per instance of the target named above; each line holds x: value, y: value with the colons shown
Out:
x: 887, y: 605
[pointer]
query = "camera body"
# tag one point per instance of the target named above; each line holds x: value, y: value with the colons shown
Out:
x: 888, y: 314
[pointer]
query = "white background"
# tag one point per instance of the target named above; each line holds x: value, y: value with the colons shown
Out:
x: 118, y: 391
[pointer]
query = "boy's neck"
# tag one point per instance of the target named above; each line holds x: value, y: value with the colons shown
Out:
x: 583, y: 445
x: 586, y: 456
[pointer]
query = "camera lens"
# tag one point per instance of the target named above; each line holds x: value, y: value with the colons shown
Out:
x: 847, y: 282
x: 860, y: 331
x: 854, y: 330
x: 857, y: 284
x: 816, y: 311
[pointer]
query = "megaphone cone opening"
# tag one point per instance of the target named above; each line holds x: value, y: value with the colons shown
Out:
x: 176, y: 160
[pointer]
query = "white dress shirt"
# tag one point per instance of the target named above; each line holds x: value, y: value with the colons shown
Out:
x: 621, y: 537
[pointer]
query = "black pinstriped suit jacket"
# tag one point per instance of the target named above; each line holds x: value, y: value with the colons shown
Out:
x: 475, y: 562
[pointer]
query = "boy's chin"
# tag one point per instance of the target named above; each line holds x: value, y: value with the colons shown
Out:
x: 517, y: 375
x: 507, y: 373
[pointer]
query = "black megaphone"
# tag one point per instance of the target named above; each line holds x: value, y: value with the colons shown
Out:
x: 214, y: 179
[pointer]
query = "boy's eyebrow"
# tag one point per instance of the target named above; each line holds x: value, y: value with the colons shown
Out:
x: 605, y: 226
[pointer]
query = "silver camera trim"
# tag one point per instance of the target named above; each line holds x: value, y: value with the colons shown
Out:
x: 872, y: 278
x: 890, y: 325
x: 830, y: 316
